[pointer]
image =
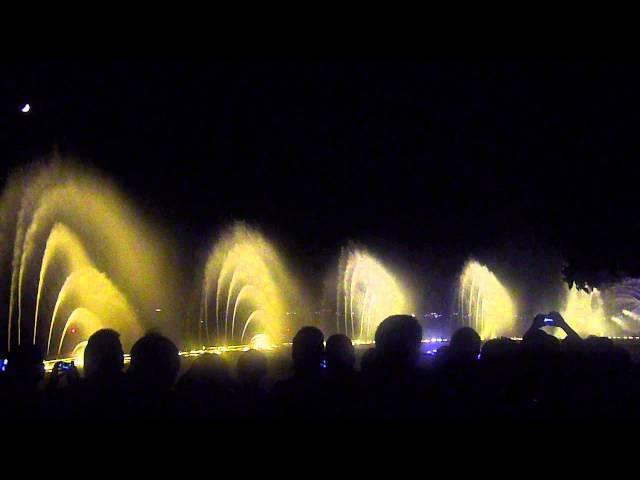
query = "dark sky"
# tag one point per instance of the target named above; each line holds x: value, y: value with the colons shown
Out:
x: 439, y: 157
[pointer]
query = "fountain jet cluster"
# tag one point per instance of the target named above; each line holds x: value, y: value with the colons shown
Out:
x: 246, y: 290
x: 484, y: 304
x: 585, y: 312
x: 79, y: 259
x: 367, y: 294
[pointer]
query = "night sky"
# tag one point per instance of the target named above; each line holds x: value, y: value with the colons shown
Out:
x: 441, y: 159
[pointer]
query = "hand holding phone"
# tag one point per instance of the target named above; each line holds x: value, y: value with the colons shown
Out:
x: 558, y: 320
x: 64, y: 370
x: 539, y: 321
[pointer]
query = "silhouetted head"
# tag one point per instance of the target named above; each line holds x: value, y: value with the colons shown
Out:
x: 465, y: 344
x: 25, y: 366
x: 211, y: 369
x: 599, y: 345
x: 103, y: 356
x: 398, y: 340
x: 498, y: 350
x: 154, y: 362
x: 540, y: 342
x: 252, y: 367
x: 605, y: 355
x: 573, y: 345
x: 307, y: 350
x: 341, y: 356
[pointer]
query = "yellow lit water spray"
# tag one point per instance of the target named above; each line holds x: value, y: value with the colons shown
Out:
x: 367, y: 293
x: 81, y: 259
x: 584, y: 311
x: 247, y: 288
x: 484, y: 304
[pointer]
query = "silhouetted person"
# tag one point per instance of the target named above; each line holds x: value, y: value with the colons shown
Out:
x: 441, y: 357
x: 253, y: 400
x: 398, y: 340
x: 542, y: 381
x: 605, y: 377
x: 21, y: 398
x: 498, y: 351
x: 307, y: 352
x: 464, y: 345
x: 396, y: 387
x: 498, y: 371
x: 206, y: 391
x: 458, y: 377
x: 343, y: 381
x: 367, y: 363
x: 303, y: 395
x: 102, y: 394
x: 552, y: 319
x: 25, y: 368
x: 341, y: 356
x: 154, y: 365
x: 540, y: 377
x: 104, y: 356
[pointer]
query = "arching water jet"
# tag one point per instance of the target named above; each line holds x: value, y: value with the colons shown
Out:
x: 93, y: 302
x: 484, y: 304
x: 58, y: 220
x: 251, y: 287
x: 367, y: 293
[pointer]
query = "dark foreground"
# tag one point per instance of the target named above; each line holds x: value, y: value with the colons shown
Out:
x: 538, y: 378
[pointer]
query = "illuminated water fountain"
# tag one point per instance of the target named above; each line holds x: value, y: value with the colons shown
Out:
x: 367, y: 293
x: 584, y: 311
x: 484, y: 304
x: 80, y: 259
x: 246, y: 292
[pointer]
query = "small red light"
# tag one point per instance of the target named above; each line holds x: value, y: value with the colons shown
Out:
x: 73, y: 330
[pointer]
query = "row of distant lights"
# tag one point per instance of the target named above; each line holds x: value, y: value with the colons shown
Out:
x: 434, y: 340
x: 244, y: 348
x: 612, y: 338
x: 48, y: 364
x: 426, y: 340
x: 218, y: 350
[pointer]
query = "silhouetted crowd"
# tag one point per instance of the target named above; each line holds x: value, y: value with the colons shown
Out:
x: 537, y: 378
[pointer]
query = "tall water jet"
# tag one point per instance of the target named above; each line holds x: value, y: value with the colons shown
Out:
x: 80, y: 259
x: 584, y: 311
x: 246, y: 291
x: 484, y: 304
x: 367, y: 293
